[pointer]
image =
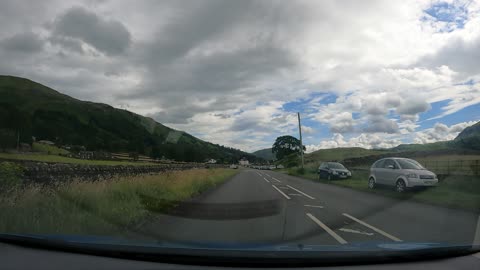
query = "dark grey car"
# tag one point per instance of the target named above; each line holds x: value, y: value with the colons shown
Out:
x: 401, y: 173
x: 333, y: 170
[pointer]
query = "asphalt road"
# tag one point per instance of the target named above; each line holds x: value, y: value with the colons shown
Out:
x: 269, y: 208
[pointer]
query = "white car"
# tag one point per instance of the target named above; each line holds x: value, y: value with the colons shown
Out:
x: 401, y: 173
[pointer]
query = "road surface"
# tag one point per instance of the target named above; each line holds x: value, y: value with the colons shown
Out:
x: 269, y: 208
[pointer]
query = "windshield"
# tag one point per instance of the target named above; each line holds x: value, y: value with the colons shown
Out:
x: 409, y: 164
x: 336, y: 166
x: 213, y: 124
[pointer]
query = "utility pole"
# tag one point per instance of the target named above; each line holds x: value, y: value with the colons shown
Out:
x: 300, y: 131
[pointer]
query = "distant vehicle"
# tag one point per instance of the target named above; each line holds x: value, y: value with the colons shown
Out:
x: 401, y: 173
x: 272, y: 167
x: 233, y: 166
x: 333, y: 170
x: 280, y: 166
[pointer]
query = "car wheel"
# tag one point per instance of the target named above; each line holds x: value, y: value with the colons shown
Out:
x: 371, y: 183
x: 400, y: 187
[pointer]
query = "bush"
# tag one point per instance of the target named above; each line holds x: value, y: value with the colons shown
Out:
x: 301, y: 171
x: 10, y: 176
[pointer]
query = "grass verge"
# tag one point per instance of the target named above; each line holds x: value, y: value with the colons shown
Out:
x: 103, y: 207
x: 462, y: 192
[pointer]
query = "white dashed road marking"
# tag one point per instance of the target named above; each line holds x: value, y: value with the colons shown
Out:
x: 304, y: 194
x: 281, y: 192
x: 266, y: 180
x: 314, y: 206
x: 294, y: 194
x: 373, y: 228
x: 327, y: 229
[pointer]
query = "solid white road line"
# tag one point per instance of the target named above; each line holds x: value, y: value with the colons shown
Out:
x: 266, y: 180
x: 476, y: 239
x: 314, y: 206
x: 281, y: 192
x: 327, y: 229
x: 373, y: 228
x: 304, y: 194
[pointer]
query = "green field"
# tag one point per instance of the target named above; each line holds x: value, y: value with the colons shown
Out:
x: 454, y: 191
x: 61, y: 159
x: 103, y: 207
x: 48, y: 149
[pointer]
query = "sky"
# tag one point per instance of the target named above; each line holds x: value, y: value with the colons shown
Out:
x: 371, y: 74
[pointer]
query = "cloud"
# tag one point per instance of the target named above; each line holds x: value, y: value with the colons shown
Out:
x: 27, y: 42
x: 441, y: 132
x: 367, y: 141
x: 79, y: 24
x: 381, y: 124
x: 222, y: 70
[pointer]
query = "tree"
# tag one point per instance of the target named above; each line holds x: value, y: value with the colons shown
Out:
x: 286, y: 145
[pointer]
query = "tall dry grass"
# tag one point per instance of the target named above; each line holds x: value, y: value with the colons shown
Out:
x: 103, y: 207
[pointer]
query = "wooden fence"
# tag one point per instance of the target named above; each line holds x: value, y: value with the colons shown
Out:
x: 453, y: 167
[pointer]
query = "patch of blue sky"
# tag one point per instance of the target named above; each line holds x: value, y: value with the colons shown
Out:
x: 436, y: 110
x: 305, y: 105
x: 469, y: 82
x: 356, y: 115
x: 470, y: 113
x: 453, y: 14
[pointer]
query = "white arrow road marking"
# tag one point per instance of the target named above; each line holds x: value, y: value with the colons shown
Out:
x: 314, y: 206
x: 355, y: 231
x: 281, y: 192
x: 304, y: 194
x: 327, y: 229
x: 373, y: 228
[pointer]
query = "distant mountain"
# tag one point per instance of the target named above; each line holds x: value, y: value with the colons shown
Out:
x: 423, y: 147
x: 265, y: 154
x: 36, y: 110
x: 469, y: 137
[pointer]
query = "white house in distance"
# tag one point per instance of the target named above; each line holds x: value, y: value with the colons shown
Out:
x: 243, y: 162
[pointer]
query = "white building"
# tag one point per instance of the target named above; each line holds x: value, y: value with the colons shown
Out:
x: 243, y: 162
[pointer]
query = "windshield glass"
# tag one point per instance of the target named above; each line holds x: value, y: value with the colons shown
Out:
x: 212, y: 124
x: 409, y: 164
x: 335, y: 166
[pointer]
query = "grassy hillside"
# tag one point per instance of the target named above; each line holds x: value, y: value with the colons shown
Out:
x: 36, y: 110
x: 469, y: 137
x: 265, y: 154
x: 341, y: 153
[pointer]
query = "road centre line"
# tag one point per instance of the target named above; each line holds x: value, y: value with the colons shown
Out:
x: 281, y: 192
x: 373, y: 228
x: 304, y: 194
x: 327, y: 229
x: 314, y: 206
x: 266, y: 180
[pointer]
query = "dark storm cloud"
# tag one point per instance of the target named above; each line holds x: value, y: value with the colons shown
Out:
x: 108, y: 36
x: 23, y: 42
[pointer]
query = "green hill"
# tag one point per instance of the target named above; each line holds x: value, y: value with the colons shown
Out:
x: 469, y: 137
x: 36, y: 110
x: 342, y: 153
x: 265, y: 154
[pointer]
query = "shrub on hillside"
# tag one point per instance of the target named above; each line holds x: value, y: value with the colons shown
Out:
x: 10, y: 176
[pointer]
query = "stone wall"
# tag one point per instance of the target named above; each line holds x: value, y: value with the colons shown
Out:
x: 46, y: 173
